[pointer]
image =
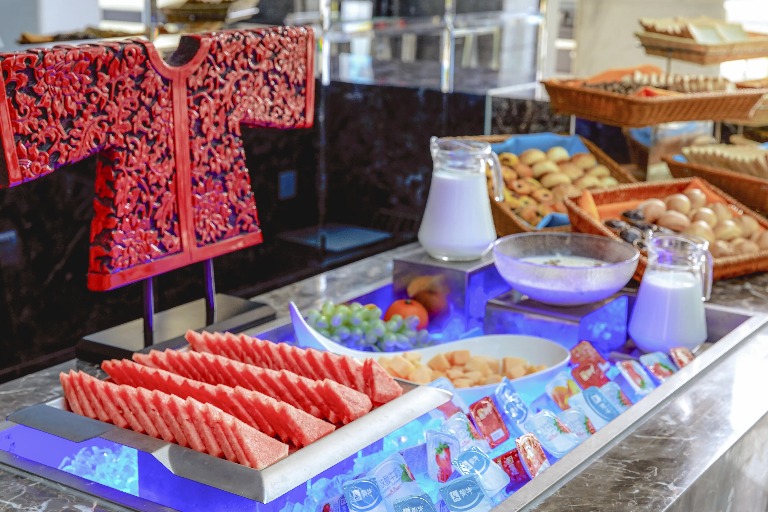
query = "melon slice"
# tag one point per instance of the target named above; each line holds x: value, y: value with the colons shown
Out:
x: 110, y: 390
x: 261, y: 450
x: 310, y: 400
x: 177, y: 407
x: 162, y: 402
x: 129, y: 396
x: 144, y: 398
x: 334, y: 370
x: 82, y: 399
x: 379, y: 385
x: 70, y: 394
x: 89, y: 389
x: 195, y: 411
x: 114, y: 369
x: 213, y: 418
x: 346, y: 402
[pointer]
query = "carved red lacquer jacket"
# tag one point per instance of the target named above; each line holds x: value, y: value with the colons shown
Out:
x: 171, y: 185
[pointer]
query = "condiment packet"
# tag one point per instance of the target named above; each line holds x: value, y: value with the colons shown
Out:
x: 465, y: 495
x: 455, y: 404
x: 553, y: 435
x: 489, y: 422
x: 364, y: 495
x: 561, y: 388
x: 512, y: 465
x: 335, y: 504
x: 490, y: 476
x: 589, y: 374
x: 531, y: 454
x: 585, y: 353
x: 578, y: 423
x: 593, y: 403
x: 420, y: 503
x: 616, y: 396
x: 681, y: 356
x: 659, y: 365
x: 394, y: 479
x: 461, y: 427
x: 442, y: 450
x: 635, y: 377
x: 511, y: 406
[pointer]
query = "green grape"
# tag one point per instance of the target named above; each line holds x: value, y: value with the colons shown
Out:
x: 371, y: 338
x: 373, y: 313
x: 378, y: 328
x: 342, y: 332
x: 327, y: 309
x: 394, y: 323
x: 355, y: 307
x: 312, y: 316
x: 411, y: 322
x: 337, y: 319
x: 356, y: 318
x: 322, y: 323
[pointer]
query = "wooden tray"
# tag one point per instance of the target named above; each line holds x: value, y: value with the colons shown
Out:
x: 750, y: 190
x: 724, y: 268
x: 682, y: 48
x: 507, y: 222
x: 571, y: 98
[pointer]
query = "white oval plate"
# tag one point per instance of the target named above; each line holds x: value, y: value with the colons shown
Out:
x: 535, y: 350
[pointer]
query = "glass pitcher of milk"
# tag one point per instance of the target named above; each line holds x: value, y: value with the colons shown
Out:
x: 669, y: 308
x: 457, y: 223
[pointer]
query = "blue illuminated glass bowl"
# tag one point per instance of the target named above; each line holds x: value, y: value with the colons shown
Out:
x: 565, y: 269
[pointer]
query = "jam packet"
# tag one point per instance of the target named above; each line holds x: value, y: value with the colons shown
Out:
x: 593, y: 403
x: 553, y: 435
x: 634, y: 378
x: 659, y: 365
x: 455, y: 404
x: 585, y: 353
x: 394, y: 479
x: 364, y: 495
x: 489, y: 475
x: 511, y: 406
x: 561, y: 388
x: 461, y: 427
x: 681, y: 356
x: 578, y: 423
x: 442, y: 450
x: 420, y: 503
x: 589, y: 374
x: 531, y: 454
x: 489, y: 422
x: 616, y: 396
x: 512, y: 465
x: 335, y: 504
x: 465, y: 495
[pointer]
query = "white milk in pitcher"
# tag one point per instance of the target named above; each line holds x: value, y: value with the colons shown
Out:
x: 457, y: 223
x: 668, y: 312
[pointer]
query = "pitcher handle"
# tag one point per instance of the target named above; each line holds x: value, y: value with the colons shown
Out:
x: 707, y: 275
x: 496, y: 177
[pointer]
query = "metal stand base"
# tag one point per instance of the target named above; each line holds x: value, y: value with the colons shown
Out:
x: 233, y: 314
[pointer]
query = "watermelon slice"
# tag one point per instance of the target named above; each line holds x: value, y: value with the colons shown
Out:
x: 177, y: 407
x: 300, y: 365
x: 224, y: 429
x: 85, y: 384
x: 115, y: 414
x: 232, y: 399
x: 114, y: 369
x: 110, y: 390
x: 129, y: 396
x: 309, y: 389
x: 213, y: 419
x: 70, y: 394
x: 354, y: 371
x: 334, y: 370
x: 260, y: 449
x: 348, y: 403
x: 82, y: 399
x: 162, y: 402
x: 379, y: 385
x: 144, y: 398
x: 195, y: 411
x: 291, y: 381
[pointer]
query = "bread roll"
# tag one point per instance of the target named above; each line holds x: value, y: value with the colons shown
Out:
x: 532, y: 156
x: 558, y: 154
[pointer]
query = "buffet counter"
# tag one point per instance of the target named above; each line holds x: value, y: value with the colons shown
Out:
x: 702, y: 446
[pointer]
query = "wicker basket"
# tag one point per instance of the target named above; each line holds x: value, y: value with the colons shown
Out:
x: 724, y: 268
x: 681, y: 48
x: 750, y: 190
x: 507, y: 222
x: 571, y: 98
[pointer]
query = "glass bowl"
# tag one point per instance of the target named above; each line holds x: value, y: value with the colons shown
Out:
x: 565, y: 269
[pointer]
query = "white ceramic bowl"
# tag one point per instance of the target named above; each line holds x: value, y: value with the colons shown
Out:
x: 561, y: 273
x: 535, y: 350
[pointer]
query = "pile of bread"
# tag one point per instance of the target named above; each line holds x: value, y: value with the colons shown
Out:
x: 537, y: 181
x: 748, y: 159
x: 633, y: 82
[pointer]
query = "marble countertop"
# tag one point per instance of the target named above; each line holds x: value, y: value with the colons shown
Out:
x: 687, y: 438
